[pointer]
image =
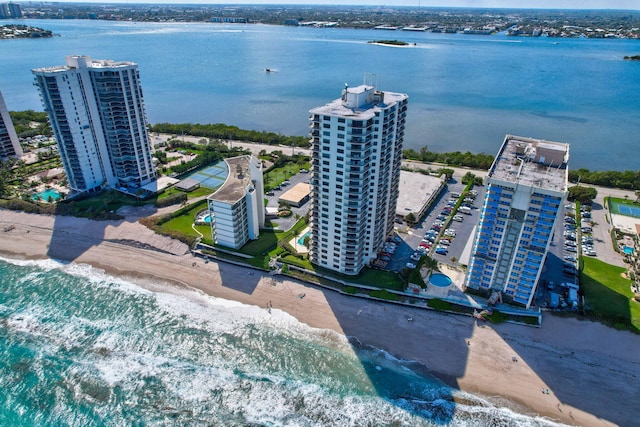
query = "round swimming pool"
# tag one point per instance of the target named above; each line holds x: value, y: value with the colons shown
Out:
x: 440, y: 280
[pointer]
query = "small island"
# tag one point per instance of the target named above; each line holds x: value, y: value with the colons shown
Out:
x: 389, y: 42
x: 632, y: 58
x: 23, y: 32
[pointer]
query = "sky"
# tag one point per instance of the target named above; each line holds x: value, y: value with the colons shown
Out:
x: 513, y: 4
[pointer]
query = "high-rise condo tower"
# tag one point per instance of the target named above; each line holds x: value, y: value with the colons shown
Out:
x: 526, y: 186
x: 97, y: 114
x: 9, y: 143
x: 357, y: 152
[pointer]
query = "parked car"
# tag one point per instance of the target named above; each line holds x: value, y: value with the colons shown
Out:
x: 570, y: 249
x: 570, y: 258
x: 410, y: 265
x: 441, y: 251
x: 415, y: 257
x: 445, y: 242
x: 458, y: 218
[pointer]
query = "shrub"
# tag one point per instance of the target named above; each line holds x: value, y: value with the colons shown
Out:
x: 497, y: 317
x: 440, y: 305
x: 384, y: 294
x: 173, y: 199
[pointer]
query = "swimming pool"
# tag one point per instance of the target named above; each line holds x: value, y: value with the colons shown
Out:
x: 628, y: 250
x: 304, y: 236
x: 46, y: 195
x: 207, y: 218
x: 440, y: 280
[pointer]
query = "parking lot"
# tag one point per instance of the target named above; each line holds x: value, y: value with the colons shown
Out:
x: 273, y: 196
x: 558, y: 282
x: 413, y: 236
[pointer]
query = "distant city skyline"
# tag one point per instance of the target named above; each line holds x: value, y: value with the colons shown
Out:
x: 506, y: 4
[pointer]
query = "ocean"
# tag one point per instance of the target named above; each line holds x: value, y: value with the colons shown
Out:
x: 81, y: 348
x: 466, y: 92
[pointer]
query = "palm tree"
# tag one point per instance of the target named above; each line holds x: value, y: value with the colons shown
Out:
x: 430, y: 264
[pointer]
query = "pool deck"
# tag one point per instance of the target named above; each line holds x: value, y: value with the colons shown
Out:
x: 301, y: 249
x: 453, y: 292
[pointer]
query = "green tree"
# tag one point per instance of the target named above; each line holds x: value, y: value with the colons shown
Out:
x: 448, y: 173
x: 467, y: 178
x: 430, y: 264
x: 5, y: 175
x: 584, y: 195
x: 410, y: 218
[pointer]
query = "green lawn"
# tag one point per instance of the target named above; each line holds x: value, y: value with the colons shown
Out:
x: 266, y: 242
x: 183, y: 222
x: 202, y: 191
x: 608, y: 295
x: 278, y: 175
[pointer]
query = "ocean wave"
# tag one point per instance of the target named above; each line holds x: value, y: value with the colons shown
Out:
x: 83, y: 347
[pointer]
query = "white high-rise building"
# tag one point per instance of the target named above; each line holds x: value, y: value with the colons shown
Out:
x: 236, y: 209
x: 97, y: 114
x: 526, y: 186
x: 357, y: 152
x: 9, y: 142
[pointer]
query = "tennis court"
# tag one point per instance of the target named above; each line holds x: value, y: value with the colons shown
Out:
x: 624, y: 209
x: 212, y: 176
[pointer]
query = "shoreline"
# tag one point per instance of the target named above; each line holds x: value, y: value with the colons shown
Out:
x: 588, y: 368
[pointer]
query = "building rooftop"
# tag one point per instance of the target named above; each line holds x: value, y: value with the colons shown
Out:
x: 78, y: 61
x: 360, y: 102
x: 297, y: 193
x: 415, y: 190
x: 239, y: 178
x: 532, y: 162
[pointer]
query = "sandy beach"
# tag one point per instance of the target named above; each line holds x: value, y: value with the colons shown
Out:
x: 572, y: 371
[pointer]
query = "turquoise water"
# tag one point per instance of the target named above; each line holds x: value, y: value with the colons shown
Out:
x: 78, y: 347
x: 440, y: 280
x: 44, y: 195
x: 628, y: 250
x: 465, y: 91
x: 304, y: 236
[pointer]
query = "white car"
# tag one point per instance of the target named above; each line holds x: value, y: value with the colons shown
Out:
x: 410, y: 265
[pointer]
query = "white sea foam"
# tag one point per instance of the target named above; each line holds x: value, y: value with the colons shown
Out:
x: 175, y: 338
